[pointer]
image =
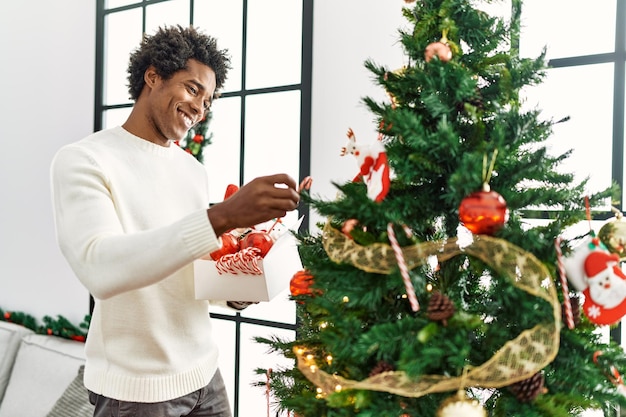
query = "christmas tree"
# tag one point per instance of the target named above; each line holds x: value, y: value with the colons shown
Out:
x: 198, y: 138
x: 428, y: 291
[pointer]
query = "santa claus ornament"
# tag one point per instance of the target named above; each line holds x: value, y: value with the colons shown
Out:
x: 596, y: 272
x: 373, y: 166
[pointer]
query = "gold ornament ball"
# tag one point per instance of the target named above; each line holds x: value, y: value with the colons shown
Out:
x: 461, y: 406
x: 438, y: 49
x: 613, y: 236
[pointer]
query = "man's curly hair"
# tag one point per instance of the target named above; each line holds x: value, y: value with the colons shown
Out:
x: 169, y: 49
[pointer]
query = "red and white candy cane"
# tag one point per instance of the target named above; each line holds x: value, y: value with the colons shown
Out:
x: 268, y: 392
x: 268, y: 374
x: 569, y: 316
x: 305, y: 184
x: 404, y: 270
x: 613, y: 374
x: 244, y: 261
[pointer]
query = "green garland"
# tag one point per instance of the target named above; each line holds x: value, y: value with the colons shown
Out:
x: 60, y: 326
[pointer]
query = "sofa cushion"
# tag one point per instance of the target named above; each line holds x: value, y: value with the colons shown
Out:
x: 44, y: 367
x: 75, y: 399
x: 10, y: 339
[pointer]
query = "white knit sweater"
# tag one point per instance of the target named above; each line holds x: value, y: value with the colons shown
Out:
x: 131, y: 218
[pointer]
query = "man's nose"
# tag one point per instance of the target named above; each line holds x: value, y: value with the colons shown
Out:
x: 197, y: 105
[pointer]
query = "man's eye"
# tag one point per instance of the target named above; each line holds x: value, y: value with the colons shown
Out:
x: 192, y: 90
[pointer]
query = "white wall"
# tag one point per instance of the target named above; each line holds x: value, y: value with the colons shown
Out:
x: 346, y: 33
x: 47, y: 83
x: 46, y: 100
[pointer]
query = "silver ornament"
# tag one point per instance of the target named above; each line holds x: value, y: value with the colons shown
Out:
x: 460, y: 405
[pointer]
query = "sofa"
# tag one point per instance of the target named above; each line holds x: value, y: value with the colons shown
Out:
x: 40, y: 375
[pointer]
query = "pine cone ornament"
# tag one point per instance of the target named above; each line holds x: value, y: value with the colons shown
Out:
x: 528, y: 389
x: 440, y: 308
x: 476, y: 101
x: 381, y: 367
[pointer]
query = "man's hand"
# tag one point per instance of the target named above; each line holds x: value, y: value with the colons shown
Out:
x: 261, y: 200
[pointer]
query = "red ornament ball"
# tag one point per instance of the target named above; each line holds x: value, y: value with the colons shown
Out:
x: 483, y: 212
x: 230, y: 244
x: 438, y: 49
x: 257, y: 239
x: 300, y: 283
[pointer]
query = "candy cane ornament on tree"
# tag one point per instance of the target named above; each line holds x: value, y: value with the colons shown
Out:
x: 569, y: 316
x: 404, y: 270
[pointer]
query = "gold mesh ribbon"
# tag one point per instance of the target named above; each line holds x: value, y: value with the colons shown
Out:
x: 517, y: 360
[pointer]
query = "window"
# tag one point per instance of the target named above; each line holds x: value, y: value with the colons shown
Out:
x: 586, y: 49
x: 585, y: 82
x: 582, y: 82
x: 260, y: 125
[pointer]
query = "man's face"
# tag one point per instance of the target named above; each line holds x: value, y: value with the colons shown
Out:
x: 177, y: 104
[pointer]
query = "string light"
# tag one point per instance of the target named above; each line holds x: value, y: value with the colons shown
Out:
x: 346, y: 299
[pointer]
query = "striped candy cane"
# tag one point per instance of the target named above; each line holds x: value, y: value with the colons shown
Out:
x: 569, y: 316
x: 404, y: 271
x: 245, y: 261
x: 268, y: 391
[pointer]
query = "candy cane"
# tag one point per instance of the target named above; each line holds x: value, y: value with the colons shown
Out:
x: 404, y: 271
x: 569, y: 316
x: 245, y: 261
x: 267, y: 390
x: 614, y: 375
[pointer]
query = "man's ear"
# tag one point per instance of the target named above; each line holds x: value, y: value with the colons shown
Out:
x: 151, y: 77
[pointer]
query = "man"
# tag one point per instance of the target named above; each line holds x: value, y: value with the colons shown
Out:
x: 131, y: 212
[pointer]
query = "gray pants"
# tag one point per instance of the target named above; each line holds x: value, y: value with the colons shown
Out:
x: 210, y: 401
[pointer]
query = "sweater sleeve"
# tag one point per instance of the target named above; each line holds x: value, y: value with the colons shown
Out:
x: 105, y: 259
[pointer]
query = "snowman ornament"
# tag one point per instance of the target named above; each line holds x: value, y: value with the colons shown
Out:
x: 597, y: 273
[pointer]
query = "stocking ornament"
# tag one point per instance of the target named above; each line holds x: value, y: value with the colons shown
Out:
x: 597, y: 273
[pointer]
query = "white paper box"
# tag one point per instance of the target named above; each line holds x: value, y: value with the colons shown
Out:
x: 278, y: 266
